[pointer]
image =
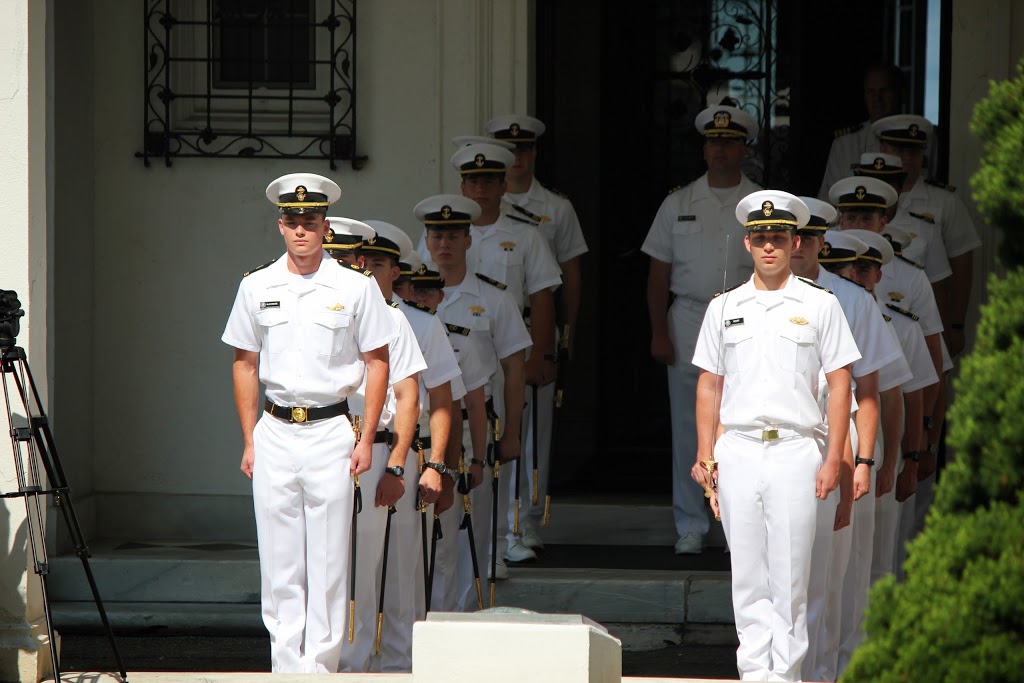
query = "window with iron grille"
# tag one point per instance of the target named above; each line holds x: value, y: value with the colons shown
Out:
x: 251, y: 79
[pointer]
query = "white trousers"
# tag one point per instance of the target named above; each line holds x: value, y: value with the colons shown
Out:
x: 824, y: 638
x: 689, y: 509
x: 822, y: 555
x: 403, y: 598
x: 302, y: 498
x: 858, y: 571
x: 905, y: 520
x: 768, y: 506
x: 887, y: 518
x: 356, y: 657
x: 530, y: 515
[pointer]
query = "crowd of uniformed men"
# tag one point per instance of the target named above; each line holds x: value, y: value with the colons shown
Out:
x: 390, y: 476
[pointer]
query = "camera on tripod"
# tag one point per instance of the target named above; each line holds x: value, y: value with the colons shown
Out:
x: 10, y: 314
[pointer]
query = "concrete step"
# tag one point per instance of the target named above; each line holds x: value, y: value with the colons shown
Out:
x: 215, y: 588
x: 618, y: 520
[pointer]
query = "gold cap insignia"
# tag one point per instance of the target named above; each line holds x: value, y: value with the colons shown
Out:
x: 514, y: 130
x: 446, y: 212
x: 879, y: 164
x: 913, y: 130
x: 336, y: 307
x: 421, y: 270
x: 913, y: 235
x: 860, y: 192
x: 300, y: 193
x: 825, y: 250
x: 797, y: 320
x: 479, y: 160
x: 767, y: 208
x: 328, y: 236
x: 896, y: 296
x: 722, y: 119
x: 476, y: 310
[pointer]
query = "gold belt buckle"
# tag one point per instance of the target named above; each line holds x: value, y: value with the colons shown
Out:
x: 769, y: 434
x: 298, y: 414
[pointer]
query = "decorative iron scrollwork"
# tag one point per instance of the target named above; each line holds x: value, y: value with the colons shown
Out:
x: 189, y: 112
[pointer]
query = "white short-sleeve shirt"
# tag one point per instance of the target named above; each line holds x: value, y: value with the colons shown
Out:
x: 877, y: 346
x: 553, y: 215
x: 311, y: 331
x: 906, y: 286
x: 515, y: 254
x: 690, y: 232
x: 914, y: 349
x: 934, y: 213
x: 494, y: 324
x: 770, y: 347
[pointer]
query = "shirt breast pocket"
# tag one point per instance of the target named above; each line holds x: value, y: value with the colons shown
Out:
x: 332, y: 332
x: 738, y: 349
x: 274, y: 329
x: 686, y: 228
x: 796, y: 347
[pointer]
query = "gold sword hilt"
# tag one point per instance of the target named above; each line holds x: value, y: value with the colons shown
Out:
x: 709, y: 488
x: 351, y: 620
x: 380, y: 627
x: 357, y: 426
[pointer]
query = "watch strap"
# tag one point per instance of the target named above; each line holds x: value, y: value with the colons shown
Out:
x: 870, y: 462
x: 912, y: 455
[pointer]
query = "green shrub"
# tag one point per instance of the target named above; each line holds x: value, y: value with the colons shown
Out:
x: 960, y: 614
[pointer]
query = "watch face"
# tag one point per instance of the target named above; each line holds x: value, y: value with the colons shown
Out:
x: 396, y: 470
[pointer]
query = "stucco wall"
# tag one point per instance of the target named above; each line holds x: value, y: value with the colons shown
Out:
x: 170, y: 244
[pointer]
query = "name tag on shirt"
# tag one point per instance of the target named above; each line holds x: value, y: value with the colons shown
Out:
x: 686, y: 218
x: 270, y: 304
x: 733, y: 321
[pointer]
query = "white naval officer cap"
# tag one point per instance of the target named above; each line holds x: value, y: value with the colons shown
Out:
x: 903, y: 130
x: 408, y: 264
x: 822, y: 214
x: 463, y: 140
x: 722, y: 121
x: 482, y: 158
x: 515, y: 128
x: 772, y: 210
x: 879, y: 250
x: 345, y: 235
x: 840, y: 247
x: 878, y: 164
x: 390, y: 240
x: 862, y: 192
x: 303, y: 193
x: 899, y: 237
x: 447, y: 211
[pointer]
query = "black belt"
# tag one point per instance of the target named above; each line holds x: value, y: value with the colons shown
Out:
x: 526, y: 313
x: 383, y: 436
x: 305, y: 414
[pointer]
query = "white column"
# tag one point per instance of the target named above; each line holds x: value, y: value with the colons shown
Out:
x: 24, y: 649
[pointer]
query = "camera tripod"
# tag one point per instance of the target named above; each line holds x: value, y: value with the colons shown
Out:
x: 34, y: 447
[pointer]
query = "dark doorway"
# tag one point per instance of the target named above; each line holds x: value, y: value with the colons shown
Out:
x: 619, y: 85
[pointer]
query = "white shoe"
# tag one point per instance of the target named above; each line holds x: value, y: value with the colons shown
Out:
x: 531, y: 539
x: 690, y: 544
x: 518, y: 552
x: 500, y: 570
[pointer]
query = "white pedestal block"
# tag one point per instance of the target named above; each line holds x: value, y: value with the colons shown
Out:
x: 514, y: 647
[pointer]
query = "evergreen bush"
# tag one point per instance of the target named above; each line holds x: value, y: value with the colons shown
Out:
x: 959, y: 616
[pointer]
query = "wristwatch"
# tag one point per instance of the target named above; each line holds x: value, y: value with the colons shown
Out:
x: 397, y: 470
x: 912, y: 455
x: 442, y: 469
x: 870, y: 462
